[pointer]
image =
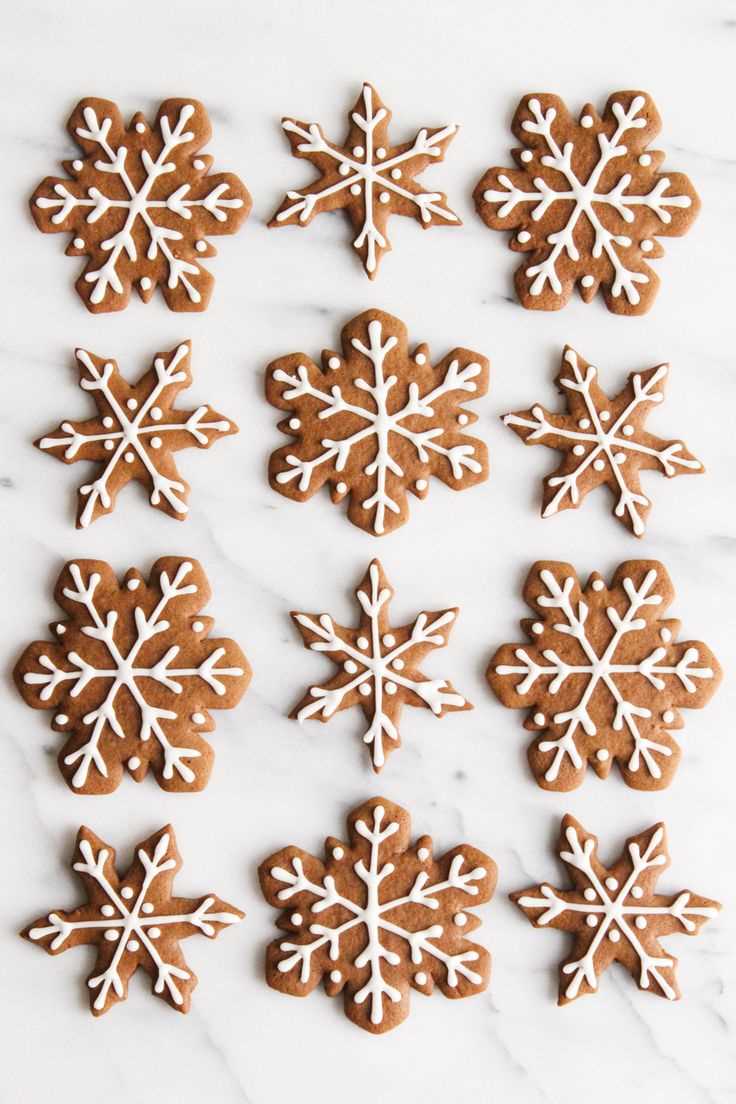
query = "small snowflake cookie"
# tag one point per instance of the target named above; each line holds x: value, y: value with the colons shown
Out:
x: 376, y: 421
x: 140, y: 204
x: 587, y: 202
x: 135, y: 433
x: 604, y: 678
x: 603, y: 441
x: 133, y: 675
x: 367, y: 177
x: 378, y: 666
x: 133, y: 921
x: 378, y: 917
x: 615, y: 913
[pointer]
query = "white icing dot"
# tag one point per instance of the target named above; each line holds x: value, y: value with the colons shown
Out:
x: 364, y: 689
x: 462, y: 419
x: 133, y: 945
x: 147, y: 908
x: 61, y: 719
x: 384, y: 197
x: 107, y: 910
x: 537, y: 628
x: 591, y: 920
x: 146, y: 283
x: 337, y: 852
x: 78, y: 243
x: 133, y: 584
x: 132, y: 404
x: 398, y: 664
x: 335, y: 976
x: 108, y: 422
x: 614, y: 935
x: 198, y: 163
x: 637, y: 892
x: 344, y: 169
x: 201, y: 246
x: 109, y: 445
x: 588, y: 281
x: 297, y: 919
x: 198, y: 718
x: 526, y: 156
x: 362, y: 642
x: 77, y: 165
x: 539, y: 718
x: 129, y: 457
x: 620, y: 458
x: 460, y: 919
x: 358, y: 151
x: 341, y: 488
x: 578, y: 450
x: 423, y: 854
x: 612, y: 884
x: 355, y: 189
x: 602, y: 755
x: 61, y: 629
x: 641, y: 922
x: 599, y: 464
x: 111, y: 935
x: 665, y: 635
x: 140, y: 127
x: 598, y: 584
x: 646, y: 245
x: 420, y: 978
x: 380, y: 153
x: 156, y: 442
x: 605, y: 415
x: 584, y: 423
x: 668, y: 716
x: 421, y: 484
x: 294, y: 423
x: 126, y: 892
x: 134, y: 763
x: 645, y: 159
x: 333, y: 362
x: 396, y: 174
x: 523, y: 236
x: 589, y: 894
x: 350, y: 666
x: 628, y: 431
x: 154, y: 933
x: 390, y: 688
x: 420, y: 359
x: 586, y: 121
x: 197, y: 626
x: 389, y: 640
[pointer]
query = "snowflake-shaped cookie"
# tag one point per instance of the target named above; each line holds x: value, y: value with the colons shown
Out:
x: 603, y: 441
x: 378, y: 666
x: 141, y: 203
x: 376, y: 422
x: 587, y: 201
x: 133, y: 921
x: 615, y: 913
x: 135, y: 434
x: 378, y: 917
x: 604, y: 678
x: 367, y: 177
x: 133, y: 675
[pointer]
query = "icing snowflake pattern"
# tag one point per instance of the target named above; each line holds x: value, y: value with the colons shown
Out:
x: 133, y: 675
x: 135, y: 433
x: 367, y: 177
x: 615, y: 913
x: 376, y: 422
x: 141, y: 204
x: 603, y: 440
x: 604, y: 678
x: 587, y: 201
x: 133, y: 921
x: 378, y: 917
x: 378, y: 665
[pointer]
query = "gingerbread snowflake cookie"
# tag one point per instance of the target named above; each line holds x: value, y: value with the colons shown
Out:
x: 377, y: 917
x: 615, y: 913
x: 378, y: 666
x: 135, y: 433
x: 376, y: 421
x: 587, y: 202
x: 133, y: 921
x: 604, y: 678
x: 603, y: 441
x: 367, y: 177
x: 133, y: 675
x: 140, y: 204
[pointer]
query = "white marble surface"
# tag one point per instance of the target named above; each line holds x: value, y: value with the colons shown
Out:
x: 466, y: 777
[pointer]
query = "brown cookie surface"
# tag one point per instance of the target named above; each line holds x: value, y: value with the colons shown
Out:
x: 135, y: 433
x: 141, y: 203
x: 367, y: 177
x: 378, y: 666
x: 604, y: 678
x: 614, y: 912
x: 587, y: 202
x: 376, y: 422
x: 377, y: 917
x: 603, y: 441
x: 133, y: 920
x: 133, y: 675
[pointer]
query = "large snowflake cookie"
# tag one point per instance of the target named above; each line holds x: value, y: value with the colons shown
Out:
x: 614, y: 912
x: 133, y: 921
x: 376, y: 421
x: 133, y: 675
x: 135, y: 433
x: 587, y: 202
x: 140, y: 203
x: 604, y: 678
x: 603, y: 441
x: 367, y: 177
x: 378, y: 666
x: 377, y: 917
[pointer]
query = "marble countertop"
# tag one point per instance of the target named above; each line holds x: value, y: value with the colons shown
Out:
x: 464, y: 779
